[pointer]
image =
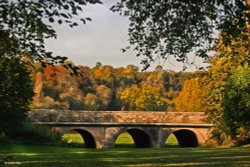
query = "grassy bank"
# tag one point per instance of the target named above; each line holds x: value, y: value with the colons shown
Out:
x: 35, y: 155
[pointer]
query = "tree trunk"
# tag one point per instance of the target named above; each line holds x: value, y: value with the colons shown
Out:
x: 247, y: 2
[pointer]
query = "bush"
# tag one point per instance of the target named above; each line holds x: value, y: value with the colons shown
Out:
x: 30, y: 133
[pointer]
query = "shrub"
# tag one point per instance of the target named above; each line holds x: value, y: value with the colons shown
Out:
x: 30, y: 133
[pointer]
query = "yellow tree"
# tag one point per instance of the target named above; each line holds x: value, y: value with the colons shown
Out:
x: 144, y: 98
x: 150, y: 99
x: 127, y: 97
x: 190, y: 98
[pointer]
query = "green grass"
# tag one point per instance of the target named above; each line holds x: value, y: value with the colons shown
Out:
x: 53, y: 156
x: 73, y: 138
x: 171, y: 141
x: 123, y: 140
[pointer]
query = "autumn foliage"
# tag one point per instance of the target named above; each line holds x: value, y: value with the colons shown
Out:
x: 106, y: 88
x: 190, y: 98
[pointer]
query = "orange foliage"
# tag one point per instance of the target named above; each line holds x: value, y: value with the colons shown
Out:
x: 190, y: 98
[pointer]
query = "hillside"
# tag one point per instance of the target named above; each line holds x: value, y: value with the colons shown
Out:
x: 104, y: 87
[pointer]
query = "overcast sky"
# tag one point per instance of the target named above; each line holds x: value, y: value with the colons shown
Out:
x: 100, y: 40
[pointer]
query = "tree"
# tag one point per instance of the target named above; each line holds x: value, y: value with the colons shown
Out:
x: 236, y: 104
x: 56, y: 88
x: 127, y: 97
x: 227, y: 60
x: 150, y: 99
x: 15, y: 93
x: 24, y: 25
x: 190, y: 98
x: 104, y: 94
x: 104, y: 75
x: 144, y: 98
x: 92, y: 102
x: 129, y: 75
x: 176, y: 27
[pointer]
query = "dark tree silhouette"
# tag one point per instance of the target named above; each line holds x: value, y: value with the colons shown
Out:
x: 178, y: 27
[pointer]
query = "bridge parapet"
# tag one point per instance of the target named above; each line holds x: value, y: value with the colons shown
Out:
x: 52, y: 115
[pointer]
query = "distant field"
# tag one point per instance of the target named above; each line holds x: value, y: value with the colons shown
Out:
x: 123, y: 140
x: 52, y: 156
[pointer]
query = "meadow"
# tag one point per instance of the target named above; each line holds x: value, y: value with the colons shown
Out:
x: 55, y: 156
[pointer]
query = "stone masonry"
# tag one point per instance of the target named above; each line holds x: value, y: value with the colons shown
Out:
x: 51, y: 115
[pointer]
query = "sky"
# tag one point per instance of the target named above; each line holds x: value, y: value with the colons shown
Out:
x: 101, y: 40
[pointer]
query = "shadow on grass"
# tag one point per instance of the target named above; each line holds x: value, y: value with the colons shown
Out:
x: 124, y: 146
x: 133, y: 146
x: 36, y: 155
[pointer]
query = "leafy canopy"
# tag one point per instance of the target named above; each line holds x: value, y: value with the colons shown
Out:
x: 25, y: 24
x: 236, y: 104
x: 163, y: 28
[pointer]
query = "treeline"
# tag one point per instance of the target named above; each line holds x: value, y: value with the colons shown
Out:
x: 106, y: 88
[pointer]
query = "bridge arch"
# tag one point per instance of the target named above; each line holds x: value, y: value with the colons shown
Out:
x: 186, y: 138
x: 141, y: 137
x: 87, y: 137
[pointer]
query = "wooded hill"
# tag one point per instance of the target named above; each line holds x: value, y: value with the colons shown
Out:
x: 106, y: 88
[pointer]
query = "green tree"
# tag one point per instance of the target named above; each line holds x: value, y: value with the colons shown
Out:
x: 15, y: 93
x: 236, y: 104
x: 177, y: 27
x: 227, y: 60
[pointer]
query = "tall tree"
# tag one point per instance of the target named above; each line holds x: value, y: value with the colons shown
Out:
x: 190, y: 98
x: 15, y: 93
x: 236, y: 104
x: 227, y: 60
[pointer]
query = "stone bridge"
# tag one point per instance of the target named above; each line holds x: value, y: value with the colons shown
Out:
x: 100, y: 129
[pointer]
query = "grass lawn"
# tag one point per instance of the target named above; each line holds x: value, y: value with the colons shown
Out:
x: 40, y: 156
x: 123, y: 155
